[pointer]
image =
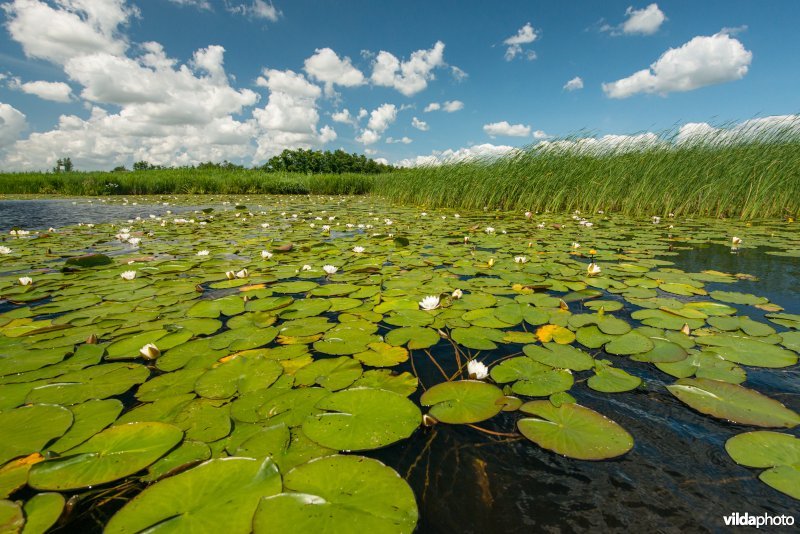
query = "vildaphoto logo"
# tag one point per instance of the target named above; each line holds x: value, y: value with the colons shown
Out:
x: 764, y: 520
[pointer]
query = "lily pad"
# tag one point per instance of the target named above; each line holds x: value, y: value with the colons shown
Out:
x: 30, y: 428
x: 110, y: 455
x: 220, y: 495
x: 733, y: 402
x: 362, y: 419
x: 463, y: 401
x: 573, y: 430
x: 339, y: 494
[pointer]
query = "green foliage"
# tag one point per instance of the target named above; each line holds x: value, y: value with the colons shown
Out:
x: 318, y: 162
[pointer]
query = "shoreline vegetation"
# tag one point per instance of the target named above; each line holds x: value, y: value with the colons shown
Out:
x: 728, y: 173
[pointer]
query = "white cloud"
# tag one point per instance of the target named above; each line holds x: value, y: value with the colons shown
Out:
x: 449, y: 106
x: 605, y: 144
x: 343, y: 117
x: 702, y: 61
x: 53, y: 91
x: 326, y: 66
x: 761, y: 128
x: 257, y: 9
x: 419, y: 125
x: 645, y: 21
x: 379, y: 120
x: 77, y: 27
x: 12, y: 124
x: 382, y: 117
x: 403, y: 140
x: 199, y: 4
x: 408, y: 77
x: 458, y: 74
x: 574, y: 84
x: 524, y: 35
x: 484, y: 151
x: 289, y: 120
x: 504, y: 128
x: 362, y: 113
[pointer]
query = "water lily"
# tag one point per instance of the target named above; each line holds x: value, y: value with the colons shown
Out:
x: 242, y: 274
x: 736, y: 241
x: 135, y: 241
x: 477, y: 370
x: 26, y: 280
x: 150, y: 352
x: 656, y: 219
x: 358, y: 250
x: 521, y: 259
x: 266, y: 254
x: 576, y: 246
x: 528, y: 214
x: 330, y: 269
x: 540, y: 226
x: 326, y: 227
x: 593, y: 269
x: 305, y: 268
x: 230, y: 275
x: 489, y: 230
x: 5, y: 250
x: 431, y: 302
x: 202, y: 253
x: 457, y: 294
x: 490, y: 263
x: 128, y: 275
x: 466, y: 239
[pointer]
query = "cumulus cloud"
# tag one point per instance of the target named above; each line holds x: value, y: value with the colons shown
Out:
x: 257, y: 9
x: 645, y: 21
x: 12, y: 124
x: 344, y: 117
x: 289, y: 120
x: 53, y: 91
x: 524, y: 35
x: 574, y: 84
x: 449, y: 106
x: 439, y: 157
x: 505, y: 129
x: 419, y: 125
x: 326, y: 66
x: 73, y: 28
x: 433, y: 106
x: 411, y: 76
x: 379, y: 120
x: 705, y: 60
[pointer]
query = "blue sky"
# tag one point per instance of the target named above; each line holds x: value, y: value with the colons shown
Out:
x: 182, y: 81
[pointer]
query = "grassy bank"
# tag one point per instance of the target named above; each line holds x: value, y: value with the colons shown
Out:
x: 183, y: 181
x: 742, y: 179
x: 733, y: 174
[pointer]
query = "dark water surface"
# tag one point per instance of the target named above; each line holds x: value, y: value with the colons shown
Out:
x: 41, y: 214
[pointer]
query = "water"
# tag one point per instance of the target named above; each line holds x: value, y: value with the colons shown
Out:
x: 678, y: 476
x: 41, y: 214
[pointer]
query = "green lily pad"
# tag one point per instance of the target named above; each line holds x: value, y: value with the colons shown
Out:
x: 784, y: 478
x: 331, y: 373
x: 362, y: 419
x: 519, y: 368
x: 11, y: 517
x: 463, y: 401
x: 414, y: 337
x: 733, y: 402
x: 219, y: 495
x: 612, y: 380
x: 110, y: 455
x: 573, y: 430
x: 747, y: 351
x: 339, y: 494
x: 42, y: 511
x: 628, y: 344
x: 560, y: 356
x: 764, y: 448
x: 29, y: 428
x: 737, y: 298
x: 544, y: 384
x: 89, y: 418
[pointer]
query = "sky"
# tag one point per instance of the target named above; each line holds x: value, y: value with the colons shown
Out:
x: 179, y: 82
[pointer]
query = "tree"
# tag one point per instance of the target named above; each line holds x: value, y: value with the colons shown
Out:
x: 141, y: 166
x: 318, y: 162
x: 63, y: 165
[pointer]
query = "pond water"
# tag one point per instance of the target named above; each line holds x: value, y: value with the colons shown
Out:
x: 474, y: 477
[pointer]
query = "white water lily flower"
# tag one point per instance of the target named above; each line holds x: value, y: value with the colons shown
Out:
x: 266, y: 254
x: 423, y: 214
x: 656, y: 219
x: 123, y: 236
x: 242, y: 274
x: 477, y: 370
x: 456, y: 215
x: 128, y: 275
x: 431, y: 302
x: 5, y: 250
x: 466, y: 239
x: 457, y: 294
x: 528, y: 214
x: 306, y: 268
x: 593, y: 269
x: 521, y: 259
x: 326, y: 227
x: 736, y: 241
x: 150, y: 352
x: 540, y: 225
x: 202, y: 253
x: 358, y: 250
x: 330, y: 269
x: 489, y: 230
x: 135, y: 241
x: 26, y: 280
x: 230, y: 275
x: 576, y: 245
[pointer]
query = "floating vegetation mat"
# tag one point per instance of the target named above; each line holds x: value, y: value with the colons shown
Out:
x: 238, y: 368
